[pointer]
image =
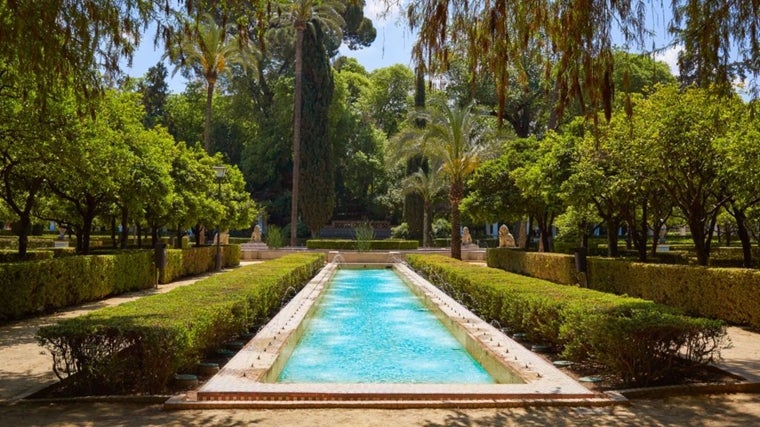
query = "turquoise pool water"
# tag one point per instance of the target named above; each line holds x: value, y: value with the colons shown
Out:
x: 370, y: 328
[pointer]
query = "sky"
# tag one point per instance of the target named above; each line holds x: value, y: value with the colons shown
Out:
x: 392, y: 46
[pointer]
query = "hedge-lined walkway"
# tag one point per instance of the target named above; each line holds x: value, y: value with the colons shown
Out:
x: 26, y: 367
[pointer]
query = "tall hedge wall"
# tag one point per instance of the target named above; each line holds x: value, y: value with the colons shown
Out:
x: 138, y: 346
x: 731, y: 294
x: 33, y: 287
x: 638, y: 340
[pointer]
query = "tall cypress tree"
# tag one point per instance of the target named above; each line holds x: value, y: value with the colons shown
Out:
x: 413, y: 203
x: 317, y: 194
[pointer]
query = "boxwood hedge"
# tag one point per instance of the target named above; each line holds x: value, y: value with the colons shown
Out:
x: 40, y: 286
x: 639, y: 341
x: 347, y: 244
x: 136, y: 347
x: 730, y: 294
x: 34, y: 287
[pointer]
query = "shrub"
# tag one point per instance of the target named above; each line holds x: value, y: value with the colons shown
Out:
x: 401, y: 231
x: 364, y: 234
x: 275, y: 238
x: 638, y: 340
x: 137, y: 346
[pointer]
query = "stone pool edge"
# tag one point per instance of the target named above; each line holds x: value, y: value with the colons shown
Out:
x: 240, y: 382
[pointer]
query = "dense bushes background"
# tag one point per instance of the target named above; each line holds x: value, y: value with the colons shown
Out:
x: 136, y: 347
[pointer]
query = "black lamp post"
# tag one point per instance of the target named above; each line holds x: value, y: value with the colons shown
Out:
x: 220, y: 172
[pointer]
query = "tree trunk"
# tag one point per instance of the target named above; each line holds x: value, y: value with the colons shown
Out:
x: 178, y: 245
x: 207, y: 126
x: 124, y: 227
x: 297, y: 96
x: 455, y: 197
x: 426, y: 226
x: 741, y: 230
x: 612, y: 237
x: 138, y: 229
x: 154, y: 235
x: 25, y: 222
x: 113, y: 232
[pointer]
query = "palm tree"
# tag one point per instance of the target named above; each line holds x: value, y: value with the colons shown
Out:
x: 301, y: 14
x: 210, y: 49
x: 454, y: 139
x: 428, y: 185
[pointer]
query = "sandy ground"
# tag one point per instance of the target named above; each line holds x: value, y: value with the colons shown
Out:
x: 719, y: 410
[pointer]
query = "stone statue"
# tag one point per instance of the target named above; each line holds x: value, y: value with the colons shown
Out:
x: 506, y: 239
x: 225, y: 236
x: 256, y: 235
x: 466, y: 238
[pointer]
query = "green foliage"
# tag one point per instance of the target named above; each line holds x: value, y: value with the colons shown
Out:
x: 317, y: 173
x: 138, y: 346
x: 345, y: 244
x: 400, y: 231
x: 364, y: 233
x: 35, y: 287
x: 275, y: 238
x: 637, y: 340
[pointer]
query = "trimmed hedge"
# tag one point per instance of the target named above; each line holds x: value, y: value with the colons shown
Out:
x: 138, y: 346
x: 557, y: 268
x: 11, y: 242
x: 729, y: 294
x: 638, y: 340
x: 345, y: 244
x: 194, y: 261
x: 34, y: 287
x: 12, y: 256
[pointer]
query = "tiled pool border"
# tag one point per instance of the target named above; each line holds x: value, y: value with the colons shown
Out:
x: 246, y: 381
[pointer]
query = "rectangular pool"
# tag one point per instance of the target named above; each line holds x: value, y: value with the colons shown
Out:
x: 370, y: 328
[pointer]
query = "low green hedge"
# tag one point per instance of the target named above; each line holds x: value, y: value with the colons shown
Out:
x: 11, y: 242
x: 639, y: 341
x: 196, y: 260
x: 731, y: 294
x: 138, y: 346
x: 557, y: 268
x: 28, y: 288
x: 345, y: 244
x: 12, y: 256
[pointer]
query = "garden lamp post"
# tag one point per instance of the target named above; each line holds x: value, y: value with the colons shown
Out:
x: 220, y: 172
